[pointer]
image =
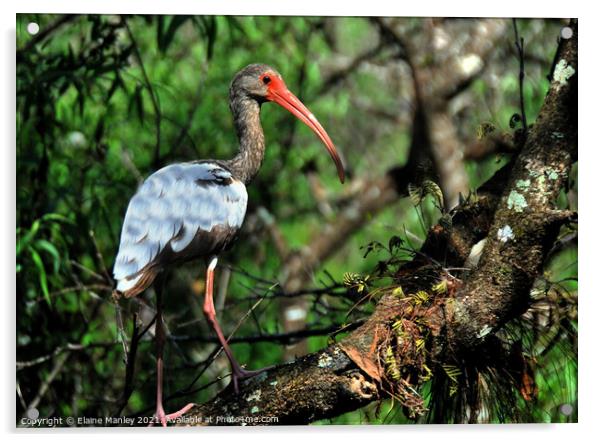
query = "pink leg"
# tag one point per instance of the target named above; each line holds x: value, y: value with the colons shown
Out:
x: 160, y: 338
x: 238, y: 373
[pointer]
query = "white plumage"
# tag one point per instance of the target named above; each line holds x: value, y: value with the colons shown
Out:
x: 170, y: 208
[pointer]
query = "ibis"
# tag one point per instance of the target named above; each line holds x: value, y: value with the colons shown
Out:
x: 194, y: 210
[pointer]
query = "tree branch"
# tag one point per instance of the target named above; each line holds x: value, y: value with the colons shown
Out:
x: 526, y: 222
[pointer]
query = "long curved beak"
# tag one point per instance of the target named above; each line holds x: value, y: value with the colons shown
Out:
x: 279, y: 93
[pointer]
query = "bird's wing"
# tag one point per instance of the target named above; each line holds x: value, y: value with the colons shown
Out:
x: 170, y: 208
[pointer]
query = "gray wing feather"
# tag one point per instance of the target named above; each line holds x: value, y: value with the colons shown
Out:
x: 168, y: 210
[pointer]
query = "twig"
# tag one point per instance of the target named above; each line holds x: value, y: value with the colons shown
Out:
x: 56, y: 369
x: 20, y: 396
x: 61, y: 349
x: 562, y: 243
x: 100, y: 258
x: 550, y: 76
x: 280, y: 338
x: 196, y: 101
x: 121, y: 334
x: 87, y: 270
x: 339, y: 75
x: 205, y: 365
x: 151, y: 91
x: 520, y: 47
x: 326, y: 290
x: 329, y: 290
x: 127, y: 161
x: 88, y: 288
x: 128, y: 386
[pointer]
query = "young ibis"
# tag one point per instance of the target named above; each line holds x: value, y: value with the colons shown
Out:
x: 194, y: 210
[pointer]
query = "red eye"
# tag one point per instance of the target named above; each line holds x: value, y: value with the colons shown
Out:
x: 266, y: 79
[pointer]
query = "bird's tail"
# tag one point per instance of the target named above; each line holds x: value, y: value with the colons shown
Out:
x: 135, y: 284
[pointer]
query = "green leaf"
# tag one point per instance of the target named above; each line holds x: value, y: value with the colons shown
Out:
x: 371, y: 247
x: 395, y: 242
x: 24, y: 242
x: 234, y: 27
x: 52, y: 250
x: 169, y: 34
x: 56, y: 217
x: 160, y: 31
x: 87, y: 339
x: 136, y: 103
x: 37, y: 260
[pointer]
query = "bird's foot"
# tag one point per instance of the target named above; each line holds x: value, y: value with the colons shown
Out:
x: 162, y: 418
x: 240, y: 374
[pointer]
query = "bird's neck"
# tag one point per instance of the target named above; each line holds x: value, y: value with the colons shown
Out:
x: 247, y: 162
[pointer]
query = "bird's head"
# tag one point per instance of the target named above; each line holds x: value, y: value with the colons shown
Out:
x: 263, y: 83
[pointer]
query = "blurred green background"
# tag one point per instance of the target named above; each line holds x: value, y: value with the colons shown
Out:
x: 103, y: 101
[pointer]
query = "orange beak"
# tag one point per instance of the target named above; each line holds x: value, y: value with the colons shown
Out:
x: 279, y: 93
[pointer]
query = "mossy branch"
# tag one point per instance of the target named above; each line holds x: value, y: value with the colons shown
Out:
x: 526, y: 222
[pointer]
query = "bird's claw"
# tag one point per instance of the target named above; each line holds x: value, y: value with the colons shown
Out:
x: 239, y: 373
x: 161, y: 417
